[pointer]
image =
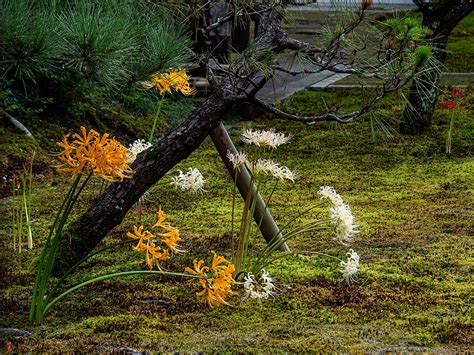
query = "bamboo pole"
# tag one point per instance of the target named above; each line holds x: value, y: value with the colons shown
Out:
x: 268, y: 227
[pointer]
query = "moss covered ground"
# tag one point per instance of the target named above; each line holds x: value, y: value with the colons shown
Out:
x: 413, y: 204
x: 461, y: 42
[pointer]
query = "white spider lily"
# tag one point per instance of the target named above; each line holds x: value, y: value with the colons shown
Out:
x: 261, y: 289
x: 351, y: 266
x: 330, y: 193
x: 270, y: 139
x: 273, y: 168
x: 192, y: 180
x: 136, y: 148
x: 341, y: 215
x: 237, y: 159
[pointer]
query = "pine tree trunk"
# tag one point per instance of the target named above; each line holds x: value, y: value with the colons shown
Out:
x: 109, y: 209
x: 423, y: 95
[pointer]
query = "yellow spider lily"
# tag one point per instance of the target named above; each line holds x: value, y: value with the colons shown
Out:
x: 164, y: 82
x: 90, y: 152
x: 218, y: 285
x: 147, y: 241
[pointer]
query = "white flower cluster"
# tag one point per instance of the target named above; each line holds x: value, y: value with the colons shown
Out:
x: 136, y: 148
x: 341, y: 215
x: 270, y: 139
x: 192, y: 180
x: 237, y: 159
x: 331, y: 194
x: 273, y: 168
x: 351, y: 266
x: 261, y: 289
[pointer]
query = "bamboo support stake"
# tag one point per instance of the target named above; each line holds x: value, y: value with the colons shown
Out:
x: 268, y: 227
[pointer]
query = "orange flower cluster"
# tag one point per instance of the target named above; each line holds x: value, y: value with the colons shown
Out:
x: 218, y: 283
x: 147, y: 241
x: 90, y: 152
x: 164, y: 82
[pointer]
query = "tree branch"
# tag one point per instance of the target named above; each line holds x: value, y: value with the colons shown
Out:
x: 328, y: 116
x: 15, y: 123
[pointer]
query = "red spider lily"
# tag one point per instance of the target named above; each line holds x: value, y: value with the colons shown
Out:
x: 16, y: 181
x: 9, y: 346
x: 26, y: 166
x: 448, y: 104
x: 457, y: 92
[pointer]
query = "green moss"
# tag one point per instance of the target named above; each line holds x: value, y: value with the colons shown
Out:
x: 461, y: 47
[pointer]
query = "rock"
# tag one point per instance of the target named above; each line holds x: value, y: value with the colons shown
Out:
x: 14, y: 332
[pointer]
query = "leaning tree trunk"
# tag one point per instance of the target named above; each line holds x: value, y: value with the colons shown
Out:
x: 423, y: 95
x: 109, y: 209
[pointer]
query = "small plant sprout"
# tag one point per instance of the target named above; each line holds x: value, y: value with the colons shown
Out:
x: 263, y: 288
x: 192, y: 180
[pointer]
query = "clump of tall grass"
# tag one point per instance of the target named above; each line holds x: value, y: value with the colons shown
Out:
x: 22, y: 186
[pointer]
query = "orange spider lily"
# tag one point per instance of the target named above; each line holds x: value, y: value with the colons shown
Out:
x: 89, y: 152
x: 160, y: 223
x: 218, y: 285
x: 164, y: 82
x: 147, y: 241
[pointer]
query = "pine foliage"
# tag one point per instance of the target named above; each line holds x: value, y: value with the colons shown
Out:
x: 109, y: 43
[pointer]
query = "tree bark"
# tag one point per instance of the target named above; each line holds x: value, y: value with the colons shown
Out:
x: 109, y: 209
x: 424, y: 92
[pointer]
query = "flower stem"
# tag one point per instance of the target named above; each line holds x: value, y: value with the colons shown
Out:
x: 155, y: 120
x: 109, y: 276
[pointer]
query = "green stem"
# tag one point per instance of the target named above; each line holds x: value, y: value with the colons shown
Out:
x: 15, y: 223
x: 76, y: 265
x: 234, y: 192
x: 155, y: 120
x: 39, y: 274
x: 28, y: 204
x: 449, y: 135
x: 27, y: 214
x: 243, y: 223
x: 109, y: 276
x: 52, y: 248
